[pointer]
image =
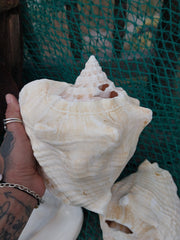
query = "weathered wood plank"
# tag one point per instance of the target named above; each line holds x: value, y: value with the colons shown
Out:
x: 7, y: 85
x: 11, y: 47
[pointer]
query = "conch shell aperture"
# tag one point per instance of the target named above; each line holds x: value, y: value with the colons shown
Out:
x: 82, y: 135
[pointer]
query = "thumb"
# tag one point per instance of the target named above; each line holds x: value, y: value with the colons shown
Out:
x: 13, y: 111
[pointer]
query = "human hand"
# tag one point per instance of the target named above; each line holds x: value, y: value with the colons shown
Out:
x: 17, y: 162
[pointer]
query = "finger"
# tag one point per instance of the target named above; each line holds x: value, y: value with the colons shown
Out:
x: 13, y: 111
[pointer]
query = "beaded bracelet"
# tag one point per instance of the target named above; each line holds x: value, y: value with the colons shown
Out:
x: 23, y: 189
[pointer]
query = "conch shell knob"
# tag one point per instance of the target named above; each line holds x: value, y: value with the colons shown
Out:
x: 82, y: 134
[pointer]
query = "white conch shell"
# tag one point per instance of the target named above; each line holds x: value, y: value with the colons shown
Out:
x: 144, y: 206
x: 53, y: 220
x: 92, y: 84
x: 82, y: 142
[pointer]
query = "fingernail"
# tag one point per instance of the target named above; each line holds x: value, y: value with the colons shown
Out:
x: 8, y: 98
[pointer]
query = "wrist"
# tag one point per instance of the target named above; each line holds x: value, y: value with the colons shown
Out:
x: 23, y: 189
x: 33, y: 182
x: 14, y: 193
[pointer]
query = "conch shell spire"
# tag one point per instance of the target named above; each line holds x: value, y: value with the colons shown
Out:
x: 91, y: 84
x: 92, y: 74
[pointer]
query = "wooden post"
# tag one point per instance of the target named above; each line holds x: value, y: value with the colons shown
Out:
x: 11, y: 52
x: 11, y: 49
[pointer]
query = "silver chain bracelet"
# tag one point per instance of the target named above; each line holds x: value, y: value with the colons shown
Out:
x: 23, y: 189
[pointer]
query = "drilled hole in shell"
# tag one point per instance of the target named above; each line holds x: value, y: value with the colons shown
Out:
x: 103, y: 87
x: 118, y: 227
x: 113, y: 94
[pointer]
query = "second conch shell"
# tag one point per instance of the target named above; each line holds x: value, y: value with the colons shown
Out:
x: 82, y: 135
x: 144, y: 206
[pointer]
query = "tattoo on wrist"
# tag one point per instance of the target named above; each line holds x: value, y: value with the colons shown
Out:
x: 13, y: 223
x: 6, y: 148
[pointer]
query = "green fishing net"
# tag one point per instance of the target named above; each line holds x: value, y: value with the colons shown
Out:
x: 137, y: 43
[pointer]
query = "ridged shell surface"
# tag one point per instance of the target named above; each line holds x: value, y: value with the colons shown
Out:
x: 82, y: 135
x: 144, y: 206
